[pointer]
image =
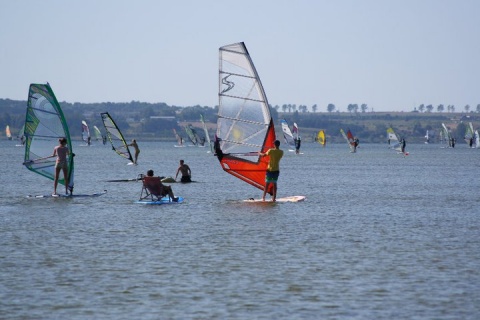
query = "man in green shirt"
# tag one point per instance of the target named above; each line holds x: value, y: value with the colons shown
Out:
x: 273, y: 169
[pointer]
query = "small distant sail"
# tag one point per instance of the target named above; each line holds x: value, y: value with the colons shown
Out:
x: 85, y: 132
x: 349, y: 138
x: 8, y: 134
x: 287, y: 134
x: 178, y: 137
x: 244, y: 126
x: 295, y: 132
x: 447, y: 136
x: 44, y: 125
x: 114, y: 135
x: 191, y: 133
x: 469, y: 133
x: 205, y: 130
x: 393, y: 140
x: 321, y: 139
x: 98, y: 133
x: 21, y: 134
x: 477, y: 139
x: 427, y: 138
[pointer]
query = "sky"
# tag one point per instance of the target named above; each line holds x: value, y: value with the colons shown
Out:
x: 391, y: 55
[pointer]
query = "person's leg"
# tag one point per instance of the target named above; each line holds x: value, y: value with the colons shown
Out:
x: 55, y: 180
x: 265, y: 191
x: 65, y: 177
x: 274, y: 194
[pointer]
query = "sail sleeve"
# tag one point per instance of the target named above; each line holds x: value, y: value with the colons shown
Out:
x: 44, y: 125
x: 115, y: 136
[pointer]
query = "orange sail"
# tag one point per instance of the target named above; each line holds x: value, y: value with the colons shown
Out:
x: 244, y: 126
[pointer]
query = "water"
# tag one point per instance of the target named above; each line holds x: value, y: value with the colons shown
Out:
x: 380, y: 236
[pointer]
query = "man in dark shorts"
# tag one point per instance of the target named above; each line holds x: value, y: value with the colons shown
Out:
x: 273, y: 170
x: 186, y: 172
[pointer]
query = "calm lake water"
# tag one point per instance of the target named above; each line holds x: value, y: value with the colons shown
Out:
x: 380, y: 236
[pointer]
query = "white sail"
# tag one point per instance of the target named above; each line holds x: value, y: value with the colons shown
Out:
x: 287, y: 134
x: 393, y: 140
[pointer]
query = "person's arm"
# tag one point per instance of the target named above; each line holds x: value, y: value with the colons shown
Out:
x: 178, y: 170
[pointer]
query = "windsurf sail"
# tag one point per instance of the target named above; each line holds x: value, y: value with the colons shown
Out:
x: 393, y: 140
x: 205, y: 130
x: 287, y: 134
x: 447, y: 136
x: 427, y: 137
x: 178, y: 137
x: 244, y: 126
x: 469, y: 133
x: 44, y: 125
x: 115, y: 136
x: 98, y: 133
x: 8, y: 134
x: 349, y: 138
x: 85, y: 132
x: 191, y: 134
x: 21, y: 134
x: 321, y: 139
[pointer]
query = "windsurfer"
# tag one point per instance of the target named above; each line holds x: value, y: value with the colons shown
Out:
x: 298, y: 142
x: 137, y: 150
x: 186, y: 172
x: 404, y: 143
x: 61, y: 152
x: 355, y: 144
x: 273, y: 169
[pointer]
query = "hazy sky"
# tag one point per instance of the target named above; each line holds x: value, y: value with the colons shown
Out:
x: 391, y: 55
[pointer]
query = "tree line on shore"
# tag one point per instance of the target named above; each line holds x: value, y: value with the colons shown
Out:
x: 156, y: 121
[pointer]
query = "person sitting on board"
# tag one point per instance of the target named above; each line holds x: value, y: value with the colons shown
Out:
x: 186, y: 172
x: 155, y: 186
x: 61, y: 152
x: 273, y: 169
x: 137, y: 150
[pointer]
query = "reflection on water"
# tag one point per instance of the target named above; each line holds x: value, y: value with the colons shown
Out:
x: 380, y: 236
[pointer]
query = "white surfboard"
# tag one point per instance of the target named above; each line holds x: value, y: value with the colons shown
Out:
x: 283, y: 199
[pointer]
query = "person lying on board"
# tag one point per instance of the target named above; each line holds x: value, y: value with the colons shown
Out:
x: 155, y: 186
x: 186, y: 172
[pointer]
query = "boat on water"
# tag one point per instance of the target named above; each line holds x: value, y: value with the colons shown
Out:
x: 245, y: 126
x: 44, y: 124
x: 115, y: 136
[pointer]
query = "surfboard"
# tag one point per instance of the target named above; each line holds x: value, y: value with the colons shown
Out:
x: 282, y: 200
x: 164, y: 200
x: 98, y: 194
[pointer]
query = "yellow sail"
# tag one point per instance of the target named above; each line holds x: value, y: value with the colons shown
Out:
x: 321, y: 138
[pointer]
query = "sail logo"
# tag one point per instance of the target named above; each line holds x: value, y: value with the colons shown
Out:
x: 228, y: 83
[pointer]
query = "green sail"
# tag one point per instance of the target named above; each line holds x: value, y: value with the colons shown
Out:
x: 44, y: 125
